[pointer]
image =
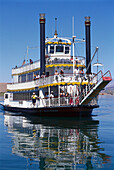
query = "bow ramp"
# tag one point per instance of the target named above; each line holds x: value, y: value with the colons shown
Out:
x: 94, y: 87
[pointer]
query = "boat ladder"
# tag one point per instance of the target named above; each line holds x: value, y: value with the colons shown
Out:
x: 98, y: 82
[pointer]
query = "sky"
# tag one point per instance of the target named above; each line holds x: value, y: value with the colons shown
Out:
x: 19, y: 28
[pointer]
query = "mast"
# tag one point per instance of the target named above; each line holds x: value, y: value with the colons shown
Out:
x: 73, y: 41
x: 55, y: 35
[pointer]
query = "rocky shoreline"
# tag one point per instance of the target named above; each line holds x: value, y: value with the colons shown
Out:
x: 106, y: 93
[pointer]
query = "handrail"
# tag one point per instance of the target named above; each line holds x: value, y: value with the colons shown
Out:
x: 54, y: 60
x: 60, y: 78
x: 60, y: 101
x: 91, y: 87
x: 109, y: 74
x: 26, y: 64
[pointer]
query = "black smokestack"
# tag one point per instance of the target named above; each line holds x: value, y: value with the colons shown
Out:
x: 42, y: 43
x: 88, y: 44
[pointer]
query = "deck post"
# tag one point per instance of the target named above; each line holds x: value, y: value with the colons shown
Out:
x: 59, y: 94
x: 49, y: 95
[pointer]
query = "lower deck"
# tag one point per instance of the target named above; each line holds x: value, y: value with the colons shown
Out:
x: 58, y: 111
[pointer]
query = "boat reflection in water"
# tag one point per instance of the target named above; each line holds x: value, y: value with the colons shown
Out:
x: 56, y: 142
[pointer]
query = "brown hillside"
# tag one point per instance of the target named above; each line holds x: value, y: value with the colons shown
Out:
x: 3, y: 87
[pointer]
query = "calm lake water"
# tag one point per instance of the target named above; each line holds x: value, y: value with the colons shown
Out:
x: 30, y: 143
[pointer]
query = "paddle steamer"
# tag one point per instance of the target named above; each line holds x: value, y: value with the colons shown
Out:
x: 61, y: 86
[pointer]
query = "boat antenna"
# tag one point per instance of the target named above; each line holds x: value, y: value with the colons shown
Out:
x: 55, y: 35
x: 72, y: 25
x: 73, y: 41
x: 27, y: 53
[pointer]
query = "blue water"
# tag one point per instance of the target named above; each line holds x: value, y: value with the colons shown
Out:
x: 56, y: 143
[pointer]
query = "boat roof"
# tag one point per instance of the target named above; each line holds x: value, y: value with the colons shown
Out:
x: 58, y: 40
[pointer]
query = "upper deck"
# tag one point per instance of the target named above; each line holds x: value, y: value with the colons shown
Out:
x: 57, y: 56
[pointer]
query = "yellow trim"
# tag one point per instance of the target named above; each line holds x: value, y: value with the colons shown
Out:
x: 63, y: 83
x: 21, y: 89
x: 63, y: 43
x: 53, y: 84
x: 26, y: 72
x: 65, y: 65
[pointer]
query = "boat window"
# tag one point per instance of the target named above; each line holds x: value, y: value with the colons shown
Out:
x: 59, y: 48
x: 23, y: 78
x: 6, y: 96
x: 19, y: 79
x: 30, y: 76
x: 66, y: 50
x: 51, y: 49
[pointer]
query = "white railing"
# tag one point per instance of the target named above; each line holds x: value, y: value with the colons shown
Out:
x: 67, y: 78
x: 26, y: 67
x: 59, y: 101
x: 45, y: 102
x: 19, y: 86
x: 52, y: 60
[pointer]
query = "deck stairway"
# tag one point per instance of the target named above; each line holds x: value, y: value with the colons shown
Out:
x: 97, y: 84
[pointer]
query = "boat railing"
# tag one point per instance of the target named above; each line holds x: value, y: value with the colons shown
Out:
x: 59, y: 101
x: 79, y: 60
x: 26, y: 67
x: 47, y: 102
x: 67, y: 78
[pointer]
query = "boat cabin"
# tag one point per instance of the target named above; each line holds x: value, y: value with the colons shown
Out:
x: 58, y: 47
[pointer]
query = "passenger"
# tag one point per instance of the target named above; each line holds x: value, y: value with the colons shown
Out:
x: 34, y: 97
x: 71, y: 100
x: 49, y: 61
x: 46, y: 95
x: 71, y: 59
x: 62, y: 94
x: 23, y: 62
x: 31, y: 62
x: 67, y: 94
x: 37, y: 76
x: 51, y: 95
x: 62, y: 75
x: 76, y: 73
x: 62, y: 97
x: 44, y: 79
x: 43, y: 75
x: 67, y: 98
x: 52, y: 98
x: 56, y: 75
x: 77, y: 61
x: 81, y: 72
x: 34, y: 76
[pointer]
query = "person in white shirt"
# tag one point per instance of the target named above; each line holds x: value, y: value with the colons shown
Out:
x: 76, y: 73
x: 37, y: 76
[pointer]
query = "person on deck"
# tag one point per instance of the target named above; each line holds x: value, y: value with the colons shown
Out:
x: 34, y: 97
x: 81, y: 72
x: 56, y: 75
x: 62, y: 75
x: 76, y: 73
x: 37, y: 76
x: 31, y: 62
x: 23, y: 63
